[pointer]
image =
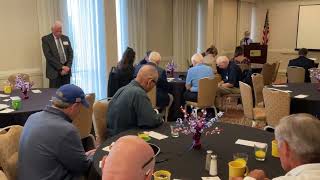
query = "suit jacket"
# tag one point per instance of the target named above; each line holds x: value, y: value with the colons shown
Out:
x: 50, y: 51
x: 304, y: 62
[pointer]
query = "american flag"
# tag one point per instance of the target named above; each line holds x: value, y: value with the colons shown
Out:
x: 265, y: 35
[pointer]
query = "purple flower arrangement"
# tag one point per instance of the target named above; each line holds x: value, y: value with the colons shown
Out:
x: 196, y: 123
x: 315, y: 73
x: 171, y: 67
x: 23, y: 86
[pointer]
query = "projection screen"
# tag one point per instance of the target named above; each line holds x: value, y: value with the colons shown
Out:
x: 308, y: 35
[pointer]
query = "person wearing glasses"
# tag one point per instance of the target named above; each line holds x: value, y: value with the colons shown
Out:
x: 299, y: 149
x: 130, y: 157
x: 50, y: 145
x: 130, y: 107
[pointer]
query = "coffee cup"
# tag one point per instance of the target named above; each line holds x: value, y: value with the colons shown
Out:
x: 237, y: 169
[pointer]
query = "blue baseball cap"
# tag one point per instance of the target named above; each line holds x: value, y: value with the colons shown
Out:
x: 71, y: 93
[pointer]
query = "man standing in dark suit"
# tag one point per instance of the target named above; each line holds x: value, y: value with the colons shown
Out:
x: 304, y: 62
x: 59, y: 54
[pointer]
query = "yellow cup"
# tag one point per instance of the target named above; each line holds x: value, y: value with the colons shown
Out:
x: 162, y: 175
x: 237, y: 169
x: 7, y: 89
x: 274, y: 150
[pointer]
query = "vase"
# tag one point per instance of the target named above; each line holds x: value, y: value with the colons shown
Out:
x: 196, y: 140
x: 24, y: 94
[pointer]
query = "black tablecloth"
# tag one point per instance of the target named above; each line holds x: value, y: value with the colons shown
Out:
x: 176, y: 88
x: 190, y: 164
x: 35, y: 103
x: 310, y: 104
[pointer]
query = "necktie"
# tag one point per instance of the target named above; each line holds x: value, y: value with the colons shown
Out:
x: 60, y: 51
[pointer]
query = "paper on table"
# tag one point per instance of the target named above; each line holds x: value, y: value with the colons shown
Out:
x: 280, y: 85
x: 301, y: 96
x: 36, y: 91
x: 157, y: 135
x: 210, y: 178
x: 170, y: 79
x: 247, y: 143
x: 15, y: 98
x: 287, y: 91
x: 6, y: 100
x: 3, y: 106
x: 7, y: 110
x: 4, y: 95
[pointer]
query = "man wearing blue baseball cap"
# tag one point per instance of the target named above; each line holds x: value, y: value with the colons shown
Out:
x: 50, y: 146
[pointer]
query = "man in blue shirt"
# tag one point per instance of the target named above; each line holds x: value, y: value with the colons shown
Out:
x: 197, y: 72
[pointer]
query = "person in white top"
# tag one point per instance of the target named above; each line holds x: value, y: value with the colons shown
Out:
x: 299, y: 149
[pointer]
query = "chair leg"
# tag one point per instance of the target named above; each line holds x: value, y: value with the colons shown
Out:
x: 168, y: 107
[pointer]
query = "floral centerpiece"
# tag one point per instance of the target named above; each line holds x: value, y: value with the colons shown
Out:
x: 23, y: 86
x: 170, y: 68
x: 196, y: 123
x: 315, y: 73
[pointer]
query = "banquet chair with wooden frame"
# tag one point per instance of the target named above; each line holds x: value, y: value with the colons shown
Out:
x: 12, y: 78
x: 251, y: 113
x: 295, y: 74
x: 84, y: 120
x: 206, y: 94
x: 277, y: 105
x: 258, y: 84
x: 9, y: 148
x: 152, y: 94
x: 275, y: 73
x: 267, y: 72
x: 100, y: 109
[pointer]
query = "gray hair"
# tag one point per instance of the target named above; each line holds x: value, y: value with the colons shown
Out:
x: 301, y: 132
x: 59, y: 103
x: 154, y: 57
x: 56, y: 24
x: 197, y: 58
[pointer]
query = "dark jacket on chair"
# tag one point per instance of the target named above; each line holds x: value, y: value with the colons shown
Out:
x: 305, y: 63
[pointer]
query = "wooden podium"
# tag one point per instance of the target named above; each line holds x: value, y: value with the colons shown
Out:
x: 256, y: 52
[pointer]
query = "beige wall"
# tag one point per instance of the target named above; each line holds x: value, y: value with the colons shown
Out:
x: 283, y: 16
x: 159, y: 27
x: 19, y: 37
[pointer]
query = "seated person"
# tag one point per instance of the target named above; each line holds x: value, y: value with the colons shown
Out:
x: 144, y: 61
x: 299, y: 149
x: 197, y: 72
x: 239, y: 56
x: 231, y: 75
x: 130, y: 157
x: 208, y: 57
x: 246, y: 40
x: 304, y: 62
x: 123, y: 73
x: 50, y: 145
x: 130, y: 107
x: 162, y: 84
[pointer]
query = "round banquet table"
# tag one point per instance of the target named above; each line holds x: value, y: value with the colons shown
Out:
x: 35, y: 103
x: 177, y: 89
x: 310, y: 104
x: 186, y: 164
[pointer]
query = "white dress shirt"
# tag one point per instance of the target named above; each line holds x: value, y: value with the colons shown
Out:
x: 303, y: 172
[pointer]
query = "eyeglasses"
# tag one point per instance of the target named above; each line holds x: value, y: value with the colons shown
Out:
x: 149, y: 161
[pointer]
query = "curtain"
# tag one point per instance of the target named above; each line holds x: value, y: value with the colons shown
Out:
x: 184, y: 32
x: 245, y: 19
x: 86, y: 30
x: 131, y: 25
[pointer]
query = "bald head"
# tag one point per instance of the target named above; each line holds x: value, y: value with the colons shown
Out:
x: 127, y: 157
x: 196, y: 59
x: 155, y: 57
x: 147, y: 77
x: 222, y: 62
x: 57, y: 29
